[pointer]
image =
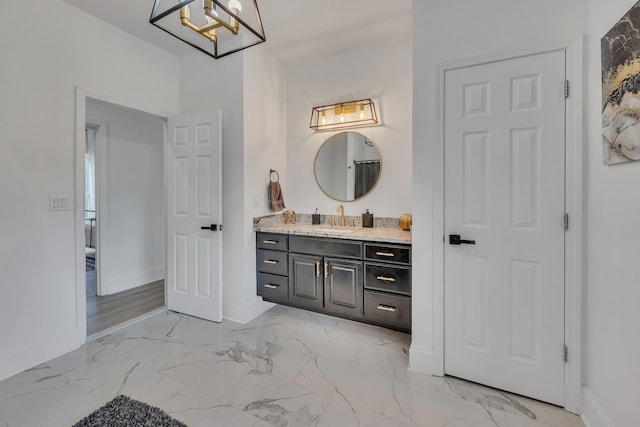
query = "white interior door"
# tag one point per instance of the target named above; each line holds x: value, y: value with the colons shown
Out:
x: 504, y: 190
x: 194, y: 183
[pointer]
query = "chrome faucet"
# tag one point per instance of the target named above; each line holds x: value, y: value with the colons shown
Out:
x: 341, y: 210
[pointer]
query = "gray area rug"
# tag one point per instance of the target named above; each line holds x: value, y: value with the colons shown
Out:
x: 126, y: 412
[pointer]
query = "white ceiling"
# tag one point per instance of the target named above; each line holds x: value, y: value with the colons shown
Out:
x: 296, y: 30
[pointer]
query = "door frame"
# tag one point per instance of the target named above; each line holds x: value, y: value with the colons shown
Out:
x: 101, y: 132
x: 82, y: 96
x: 574, y: 177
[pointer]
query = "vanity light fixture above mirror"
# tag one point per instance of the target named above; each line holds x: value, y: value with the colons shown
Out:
x: 344, y: 115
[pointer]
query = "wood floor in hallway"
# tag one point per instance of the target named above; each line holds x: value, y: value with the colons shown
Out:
x: 111, y: 310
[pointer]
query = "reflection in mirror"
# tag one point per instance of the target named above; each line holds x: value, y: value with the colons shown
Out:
x: 347, y: 166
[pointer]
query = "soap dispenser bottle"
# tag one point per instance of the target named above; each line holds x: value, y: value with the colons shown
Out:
x: 367, y: 219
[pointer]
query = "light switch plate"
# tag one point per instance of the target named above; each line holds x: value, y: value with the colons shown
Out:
x: 59, y: 202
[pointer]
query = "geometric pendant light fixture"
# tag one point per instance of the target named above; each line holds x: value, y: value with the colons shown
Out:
x: 217, y: 28
x: 344, y: 115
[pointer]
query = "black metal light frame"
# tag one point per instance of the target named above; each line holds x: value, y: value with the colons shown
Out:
x: 370, y: 119
x: 259, y: 33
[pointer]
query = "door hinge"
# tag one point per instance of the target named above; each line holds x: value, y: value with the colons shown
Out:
x: 566, y: 221
x: 566, y: 89
x: 566, y: 353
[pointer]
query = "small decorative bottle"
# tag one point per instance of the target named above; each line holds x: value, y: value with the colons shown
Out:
x: 367, y: 219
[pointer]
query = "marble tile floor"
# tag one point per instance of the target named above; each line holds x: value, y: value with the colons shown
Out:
x: 287, y: 367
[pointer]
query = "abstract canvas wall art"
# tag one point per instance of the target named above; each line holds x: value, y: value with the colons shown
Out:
x: 621, y: 89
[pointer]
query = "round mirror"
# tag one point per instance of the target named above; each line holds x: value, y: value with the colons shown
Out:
x: 347, y: 166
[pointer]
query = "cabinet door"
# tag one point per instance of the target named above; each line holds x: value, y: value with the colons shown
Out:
x: 343, y: 286
x: 305, y: 280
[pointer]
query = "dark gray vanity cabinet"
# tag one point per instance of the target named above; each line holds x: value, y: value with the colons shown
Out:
x: 363, y: 281
x: 387, y: 294
x: 272, y: 266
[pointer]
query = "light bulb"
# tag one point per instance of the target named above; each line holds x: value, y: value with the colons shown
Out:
x: 209, y: 18
x: 235, y: 6
x: 212, y: 9
x: 341, y: 117
x: 361, y: 111
x: 324, y: 118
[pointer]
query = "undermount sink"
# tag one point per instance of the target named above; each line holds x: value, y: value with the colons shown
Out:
x: 339, y: 230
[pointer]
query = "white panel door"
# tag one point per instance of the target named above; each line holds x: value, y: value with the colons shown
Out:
x: 194, y: 213
x: 504, y: 190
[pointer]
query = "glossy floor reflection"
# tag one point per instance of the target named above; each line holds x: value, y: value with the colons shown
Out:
x: 288, y: 367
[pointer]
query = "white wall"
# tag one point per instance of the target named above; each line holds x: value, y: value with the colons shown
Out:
x: 131, y: 198
x: 612, y: 345
x: 447, y: 31
x: 40, y: 70
x: 264, y: 145
x: 382, y: 72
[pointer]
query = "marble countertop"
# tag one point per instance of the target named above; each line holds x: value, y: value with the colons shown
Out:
x: 379, y: 234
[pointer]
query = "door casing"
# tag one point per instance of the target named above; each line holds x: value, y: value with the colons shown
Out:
x: 81, y: 291
x: 574, y: 254
x: 100, y: 129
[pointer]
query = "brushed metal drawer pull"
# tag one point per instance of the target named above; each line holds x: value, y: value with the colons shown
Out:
x: 270, y: 242
x: 317, y: 268
x: 386, y: 279
x: 326, y: 270
x: 386, y: 308
x: 270, y: 261
x: 387, y: 254
x: 271, y: 286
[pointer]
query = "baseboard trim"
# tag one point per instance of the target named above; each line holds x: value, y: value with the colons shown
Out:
x: 45, y: 350
x: 593, y: 414
x: 421, y: 360
x: 28, y: 357
x: 244, y: 313
x: 132, y: 280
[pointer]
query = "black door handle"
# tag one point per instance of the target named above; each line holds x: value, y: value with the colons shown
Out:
x: 454, y: 239
x: 212, y: 227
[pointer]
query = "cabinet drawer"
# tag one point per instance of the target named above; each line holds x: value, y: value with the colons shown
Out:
x: 327, y: 247
x: 277, y: 242
x: 273, y: 287
x: 388, y: 278
x: 388, y: 310
x: 273, y: 262
x: 388, y: 253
